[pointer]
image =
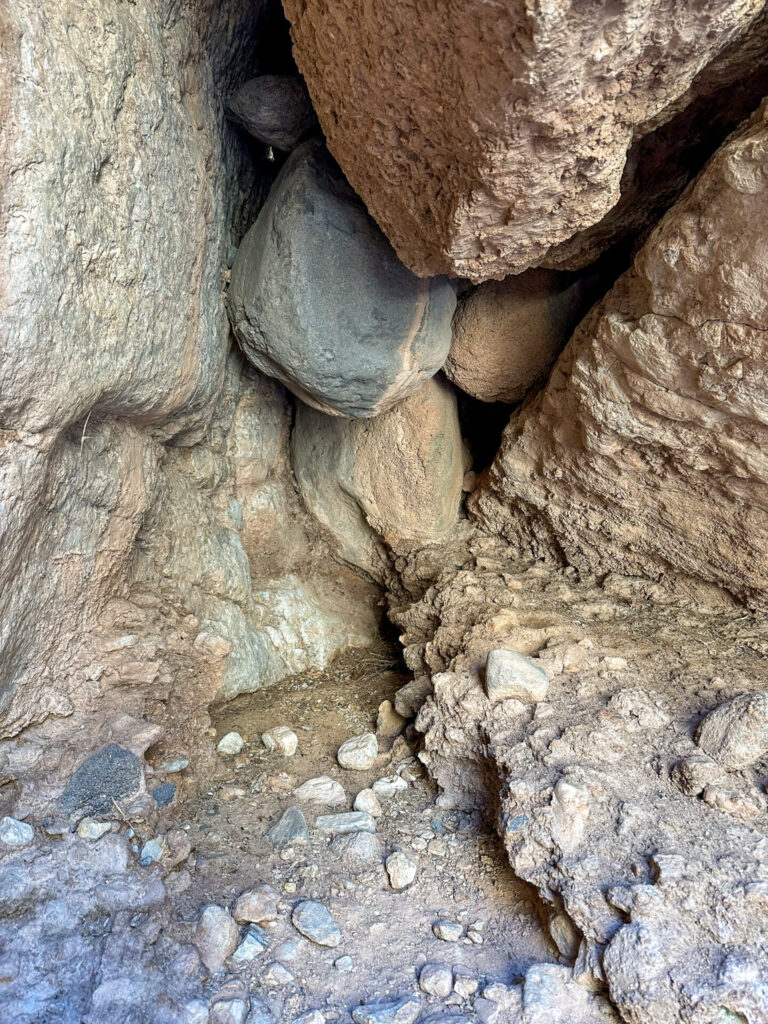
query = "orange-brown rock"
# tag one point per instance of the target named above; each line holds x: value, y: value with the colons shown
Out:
x: 481, y: 136
x: 507, y: 334
x: 648, y: 450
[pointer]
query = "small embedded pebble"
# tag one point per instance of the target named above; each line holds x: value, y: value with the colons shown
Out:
x: 164, y: 794
x: 359, y: 753
x: 345, y: 964
x: 177, y: 764
x: 366, y: 800
x: 253, y: 944
x: 315, y: 922
x: 216, y: 936
x: 311, y: 1017
x: 257, y: 905
x: 436, y: 980
x: 401, y: 870
x: 277, y: 975
x: 475, y: 933
x: 90, y: 829
x: 290, y: 828
x: 385, y: 789
x: 395, y: 1011
x: 343, y: 824
x: 152, y: 851
x: 229, y: 1011
x: 16, y: 833
x: 281, y: 740
x: 448, y: 931
x: 230, y: 744
x: 465, y: 984
x: 322, y: 790
x: 509, y: 674
x: 291, y: 949
x: 358, y: 849
x: 195, y: 1012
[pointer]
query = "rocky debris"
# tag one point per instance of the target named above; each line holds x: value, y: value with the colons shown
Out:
x: 359, y: 753
x: 93, y: 830
x: 734, y: 801
x: 216, y: 936
x: 255, y: 941
x: 153, y: 851
x: 475, y: 933
x: 290, y: 828
x: 448, y: 931
x: 350, y: 331
x: 735, y: 734
x: 343, y: 824
x: 281, y: 740
x: 410, y: 698
x: 485, y: 193
x: 397, y: 477
x: 401, y: 870
x: 256, y: 906
x: 386, y: 788
x: 637, y: 385
x: 507, y: 334
x: 277, y: 975
x: 292, y: 949
x: 322, y: 790
x: 311, y: 1017
x: 315, y: 922
x: 260, y: 1013
x: 16, y: 833
x: 404, y: 1010
x: 511, y: 676
x: 367, y: 801
x: 230, y: 745
x: 229, y: 1011
x: 465, y: 984
x: 345, y: 964
x: 111, y: 773
x: 436, y: 980
x: 275, y: 109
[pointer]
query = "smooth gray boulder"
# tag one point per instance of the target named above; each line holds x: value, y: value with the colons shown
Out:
x: 275, y: 109
x: 319, y: 300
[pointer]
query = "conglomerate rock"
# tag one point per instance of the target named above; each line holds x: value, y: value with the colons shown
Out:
x: 646, y: 452
x: 482, y: 136
x: 319, y: 300
x: 653, y: 893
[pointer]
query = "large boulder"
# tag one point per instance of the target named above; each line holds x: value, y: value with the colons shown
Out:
x: 275, y: 109
x: 319, y: 299
x: 646, y: 452
x: 482, y: 136
x: 507, y: 334
x: 396, y: 477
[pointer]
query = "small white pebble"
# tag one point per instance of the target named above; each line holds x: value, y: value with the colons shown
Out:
x: 230, y: 744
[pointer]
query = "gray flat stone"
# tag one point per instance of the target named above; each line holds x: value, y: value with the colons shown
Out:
x: 395, y: 1011
x: 16, y: 833
x: 290, y: 828
x: 344, y: 824
x: 315, y: 922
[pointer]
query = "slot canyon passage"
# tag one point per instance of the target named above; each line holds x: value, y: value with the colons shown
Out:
x: 384, y: 512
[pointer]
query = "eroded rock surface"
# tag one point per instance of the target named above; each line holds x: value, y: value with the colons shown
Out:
x: 646, y: 450
x: 319, y: 299
x: 481, y: 136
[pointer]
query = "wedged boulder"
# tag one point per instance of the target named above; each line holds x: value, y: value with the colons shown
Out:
x: 646, y: 452
x: 507, y: 334
x: 483, y: 136
x: 319, y: 299
x: 396, y: 477
x: 275, y: 109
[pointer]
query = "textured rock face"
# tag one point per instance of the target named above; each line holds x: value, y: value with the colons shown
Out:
x: 647, y: 448
x: 319, y: 300
x: 395, y: 478
x: 482, y: 136
x: 507, y: 334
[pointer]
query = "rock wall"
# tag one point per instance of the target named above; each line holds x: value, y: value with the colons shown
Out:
x: 484, y: 136
x: 645, y: 453
x: 121, y: 180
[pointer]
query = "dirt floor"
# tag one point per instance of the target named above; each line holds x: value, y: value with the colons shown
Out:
x: 463, y: 875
